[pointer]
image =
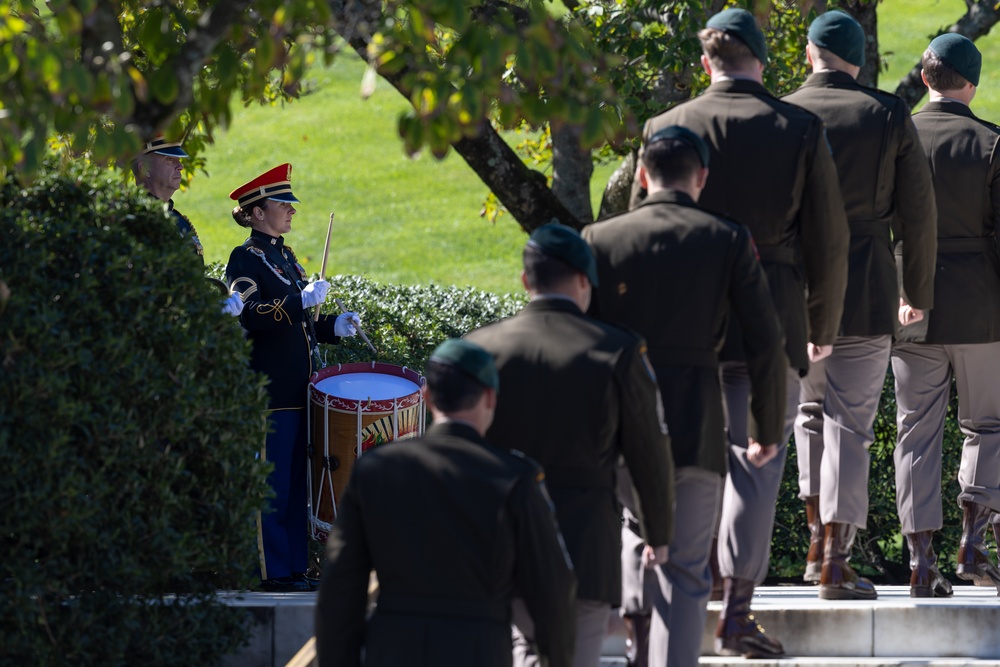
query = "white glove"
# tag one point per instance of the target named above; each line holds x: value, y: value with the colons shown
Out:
x: 315, y: 293
x: 346, y: 325
x: 232, y: 305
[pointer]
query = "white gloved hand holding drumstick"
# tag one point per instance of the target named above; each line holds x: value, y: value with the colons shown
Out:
x: 314, y: 293
x: 346, y: 325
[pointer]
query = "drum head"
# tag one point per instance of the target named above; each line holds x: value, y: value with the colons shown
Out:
x: 362, y: 386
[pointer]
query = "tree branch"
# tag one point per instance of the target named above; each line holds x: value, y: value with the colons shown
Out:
x: 211, y: 27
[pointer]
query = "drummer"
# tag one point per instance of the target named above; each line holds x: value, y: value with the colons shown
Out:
x: 278, y: 318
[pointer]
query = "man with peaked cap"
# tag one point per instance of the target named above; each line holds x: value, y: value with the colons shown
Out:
x: 960, y: 337
x: 454, y: 527
x: 673, y: 272
x: 772, y: 170
x: 278, y: 319
x: 886, y: 185
x: 158, y: 169
x: 578, y: 396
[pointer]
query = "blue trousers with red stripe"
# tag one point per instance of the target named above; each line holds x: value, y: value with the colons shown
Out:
x: 282, y: 537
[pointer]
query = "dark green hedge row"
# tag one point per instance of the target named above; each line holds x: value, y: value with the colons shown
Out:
x: 128, y: 426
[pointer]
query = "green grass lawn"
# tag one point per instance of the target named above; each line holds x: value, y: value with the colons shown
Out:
x: 412, y: 221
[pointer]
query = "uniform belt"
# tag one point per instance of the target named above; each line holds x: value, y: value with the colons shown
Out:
x: 777, y: 254
x: 876, y: 228
x: 588, y: 478
x: 971, y: 244
x: 484, y: 610
x: 683, y: 356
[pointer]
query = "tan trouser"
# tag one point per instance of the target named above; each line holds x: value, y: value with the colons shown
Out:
x: 838, y: 401
x: 923, y: 379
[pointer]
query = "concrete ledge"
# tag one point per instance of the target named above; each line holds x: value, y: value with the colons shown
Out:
x: 892, y: 631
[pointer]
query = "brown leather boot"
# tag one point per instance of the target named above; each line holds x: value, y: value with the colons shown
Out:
x: 838, y: 580
x: 713, y: 565
x: 814, y: 559
x: 926, y: 581
x: 637, y: 642
x: 738, y: 632
x: 974, y: 562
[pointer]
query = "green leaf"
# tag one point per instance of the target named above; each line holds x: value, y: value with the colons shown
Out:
x: 163, y: 85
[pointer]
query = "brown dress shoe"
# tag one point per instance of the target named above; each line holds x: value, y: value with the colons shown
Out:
x: 838, y: 580
x: 974, y: 562
x: 814, y: 559
x: 926, y: 580
x: 738, y: 632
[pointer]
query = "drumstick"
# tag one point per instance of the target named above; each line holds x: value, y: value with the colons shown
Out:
x: 326, y: 255
x: 360, y: 331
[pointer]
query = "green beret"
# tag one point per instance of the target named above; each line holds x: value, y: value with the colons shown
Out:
x: 839, y: 33
x: 685, y: 135
x: 959, y: 53
x: 565, y: 243
x: 741, y: 23
x: 469, y: 358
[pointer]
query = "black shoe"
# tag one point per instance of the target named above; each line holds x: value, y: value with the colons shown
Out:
x: 309, y: 581
x: 285, y: 585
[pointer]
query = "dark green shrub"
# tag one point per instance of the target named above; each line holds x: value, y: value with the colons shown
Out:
x: 128, y: 427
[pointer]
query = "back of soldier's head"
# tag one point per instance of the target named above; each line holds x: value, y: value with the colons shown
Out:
x: 451, y: 389
x: 458, y: 373
x: 670, y: 161
x: 543, y: 272
x: 950, y: 62
x: 725, y: 51
x: 939, y: 74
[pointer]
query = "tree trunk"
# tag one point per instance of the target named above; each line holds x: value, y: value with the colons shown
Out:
x: 976, y: 22
x: 572, y: 167
x: 525, y: 192
x: 619, y: 188
x: 866, y: 13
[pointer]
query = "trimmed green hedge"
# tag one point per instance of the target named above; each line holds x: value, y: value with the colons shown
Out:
x: 128, y: 425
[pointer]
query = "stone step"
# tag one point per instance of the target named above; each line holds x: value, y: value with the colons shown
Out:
x: 894, y: 630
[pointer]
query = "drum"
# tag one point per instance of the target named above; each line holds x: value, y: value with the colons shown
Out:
x: 352, y: 408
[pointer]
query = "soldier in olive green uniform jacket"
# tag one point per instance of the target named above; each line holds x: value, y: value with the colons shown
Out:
x: 673, y: 272
x: 771, y: 170
x: 961, y: 335
x: 578, y: 394
x: 454, y: 527
x: 886, y: 186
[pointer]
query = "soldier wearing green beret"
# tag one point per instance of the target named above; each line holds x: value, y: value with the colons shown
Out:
x: 960, y: 337
x: 886, y: 185
x: 647, y: 261
x: 452, y: 526
x: 772, y: 171
x: 578, y: 395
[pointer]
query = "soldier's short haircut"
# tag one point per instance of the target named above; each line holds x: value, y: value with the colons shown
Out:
x: 939, y: 74
x: 725, y: 51
x: 670, y: 160
x: 544, y: 272
x: 451, y: 389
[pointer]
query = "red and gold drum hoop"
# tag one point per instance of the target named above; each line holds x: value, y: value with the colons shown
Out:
x: 352, y: 408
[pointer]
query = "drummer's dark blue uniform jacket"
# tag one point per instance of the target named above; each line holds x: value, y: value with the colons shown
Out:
x: 270, y: 280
